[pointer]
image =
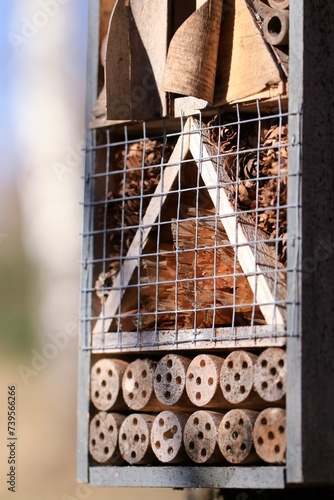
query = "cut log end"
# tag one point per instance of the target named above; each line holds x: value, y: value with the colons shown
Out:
x: 137, y: 386
x: 103, y: 438
x: 270, y: 375
x: 235, y: 436
x: 167, y: 437
x: 270, y: 436
x: 170, y: 379
x: 237, y: 376
x: 202, y: 382
x: 200, y: 437
x: 106, y: 381
x: 134, y: 439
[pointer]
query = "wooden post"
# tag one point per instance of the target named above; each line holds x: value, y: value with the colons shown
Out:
x: 106, y: 383
x: 200, y: 437
x: 167, y: 437
x: 202, y: 383
x: 170, y: 381
x: 235, y: 436
x: 103, y: 438
x: 134, y: 439
x: 237, y: 379
x: 137, y: 386
x: 269, y: 435
x: 270, y: 375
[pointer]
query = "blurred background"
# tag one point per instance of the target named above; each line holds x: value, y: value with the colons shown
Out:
x: 42, y: 99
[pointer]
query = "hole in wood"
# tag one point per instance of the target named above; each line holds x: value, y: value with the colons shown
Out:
x: 136, y: 438
x: 277, y: 449
x: 273, y: 371
x: 170, y: 433
x: 241, y: 422
x: 93, y: 442
x: 109, y: 396
x: 243, y: 446
x: 196, y: 421
x: 263, y: 421
x: 169, y: 363
x: 230, y: 364
x: 124, y: 436
x: 264, y: 363
x: 161, y: 422
x: 227, y: 388
x: 234, y: 435
x: 158, y: 378
x: 101, y: 436
x: 167, y: 395
x: 111, y: 428
x: 237, y: 377
x: 168, y: 377
x: 143, y: 438
x: 244, y: 365
x: 198, y: 381
x: 260, y: 441
x: 229, y: 449
x: 98, y: 370
x: 210, y: 381
x: 135, y: 421
x: 144, y: 394
x: 264, y: 385
x: 170, y: 450
x: 131, y: 395
x: 203, y: 452
x: 242, y: 389
x: 157, y: 444
x: 200, y: 435
x: 279, y: 385
x: 106, y: 450
x: 97, y: 394
x: 202, y: 363
x: 133, y: 454
x: 191, y: 376
x: 136, y: 385
x: 178, y: 380
x: 144, y: 374
x: 271, y: 435
x: 97, y: 423
x: 208, y: 426
x: 103, y: 383
x: 198, y: 396
x: 227, y: 425
x: 110, y: 373
x: 191, y: 445
x: 281, y: 429
x: 129, y: 374
x: 281, y: 363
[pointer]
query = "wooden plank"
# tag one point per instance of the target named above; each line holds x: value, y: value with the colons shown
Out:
x: 245, y: 65
x: 123, y: 279
x: 267, y: 287
x: 192, y: 54
x: 269, y: 477
x: 245, y: 337
x: 136, y: 52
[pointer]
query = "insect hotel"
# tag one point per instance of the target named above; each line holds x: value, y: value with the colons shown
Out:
x: 206, y: 357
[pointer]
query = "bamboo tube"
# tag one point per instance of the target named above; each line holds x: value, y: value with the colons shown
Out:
x: 276, y: 27
x: 105, y: 384
x: 269, y: 435
x: 237, y: 379
x: 192, y: 54
x: 170, y: 380
x: 167, y: 437
x: 137, y: 386
x: 202, y: 384
x: 235, y: 436
x: 134, y: 439
x: 270, y: 375
x: 200, y: 437
x: 279, y: 4
x: 103, y: 438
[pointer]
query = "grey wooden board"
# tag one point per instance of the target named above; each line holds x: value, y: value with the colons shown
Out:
x: 204, y: 338
x: 189, y: 477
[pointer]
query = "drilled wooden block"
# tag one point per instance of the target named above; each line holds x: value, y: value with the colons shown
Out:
x: 167, y: 437
x: 170, y: 380
x: 134, y: 439
x: 269, y: 435
x: 106, y: 383
x: 200, y: 437
x: 237, y: 379
x: 137, y: 385
x: 270, y: 375
x: 103, y: 438
x: 235, y: 436
x: 202, y: 384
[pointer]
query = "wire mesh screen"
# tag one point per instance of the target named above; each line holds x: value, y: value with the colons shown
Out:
x: 186, y: 232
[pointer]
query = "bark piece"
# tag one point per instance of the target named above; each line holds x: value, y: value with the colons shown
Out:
x: 202, y: 383
x: 134, y: 439
x: 106, y: 383
x: 103, y: 438
x: 269, y: 435
x: 200, y: 437
x: 235, y: 436
x: 167, y: 437
x: 270, y: 375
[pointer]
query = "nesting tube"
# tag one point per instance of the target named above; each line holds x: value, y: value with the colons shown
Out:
x: 279, y: 4
x: 276, y: 27
x: 202, y: 385
x: 103, y: 438
x: 270, y: 375
x: 170, y: 381
x: 200, y: 437
x: 134, y: 439
x: 167, y: 437
x: 235, y: 436
x: 106, y: 383
x: 269, y: 435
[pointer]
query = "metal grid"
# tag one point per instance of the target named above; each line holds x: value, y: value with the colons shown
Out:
x: 188, y: 233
